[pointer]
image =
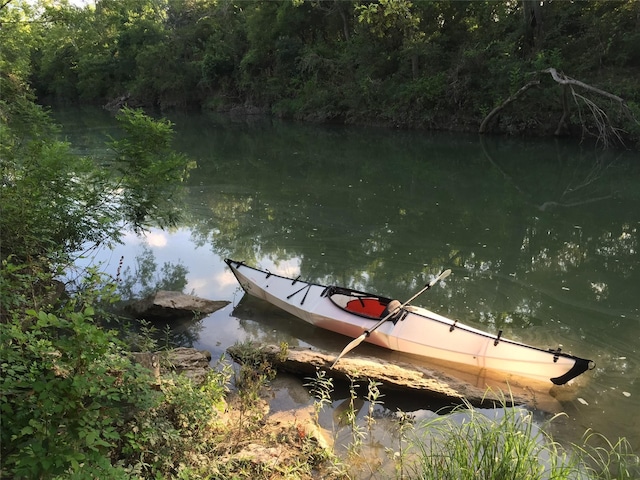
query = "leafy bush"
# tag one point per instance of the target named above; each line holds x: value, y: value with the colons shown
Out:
x: 67, y: 390
x: 54, y: 202
x: 72, y: 402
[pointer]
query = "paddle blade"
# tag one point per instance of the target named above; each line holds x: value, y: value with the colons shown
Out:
x: 350, y: 346
x: 442, y: 276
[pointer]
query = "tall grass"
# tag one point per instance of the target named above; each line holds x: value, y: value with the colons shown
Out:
x: 469, y: 443
x: 507, y: 444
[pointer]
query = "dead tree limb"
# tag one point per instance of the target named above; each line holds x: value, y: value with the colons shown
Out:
x: 597, y: 117
x: 511, y: 99
x: 606, y: 132
x: 562, y: 79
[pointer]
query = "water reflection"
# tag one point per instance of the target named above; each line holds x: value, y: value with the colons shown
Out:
x: 144, y: 278
x: 542, y: 237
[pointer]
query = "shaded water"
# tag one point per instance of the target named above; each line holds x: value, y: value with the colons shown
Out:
x: 542, y: 238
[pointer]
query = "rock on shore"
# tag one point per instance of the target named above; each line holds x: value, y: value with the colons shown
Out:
x: 166, y: 304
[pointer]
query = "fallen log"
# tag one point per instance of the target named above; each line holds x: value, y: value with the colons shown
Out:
x: 484, y: 126
x: 393, y: 376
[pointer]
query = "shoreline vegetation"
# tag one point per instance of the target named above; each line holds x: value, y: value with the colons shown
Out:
x: 73, y: 403
x: 523, y: 68
x: 131, y: 423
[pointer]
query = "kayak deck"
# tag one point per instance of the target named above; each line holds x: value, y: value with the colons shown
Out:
x: 413, y: 330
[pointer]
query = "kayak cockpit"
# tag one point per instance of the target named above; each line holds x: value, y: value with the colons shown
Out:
x: 368, y: 307
x: 359, y: 303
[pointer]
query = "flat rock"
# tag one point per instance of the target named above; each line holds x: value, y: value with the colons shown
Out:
x: 188, y: 361
x: 167, y: 304
x: 392, y: 375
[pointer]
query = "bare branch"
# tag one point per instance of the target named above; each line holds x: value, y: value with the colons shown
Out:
x: 605, y: 130
x: 512, y: 98
x: 564, y: 80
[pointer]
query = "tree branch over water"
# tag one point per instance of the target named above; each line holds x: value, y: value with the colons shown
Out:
x: 499, y: 108
x: 605, y: 131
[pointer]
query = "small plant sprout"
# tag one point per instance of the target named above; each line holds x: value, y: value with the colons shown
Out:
x: 351, y: 415
x: 321, y: 388
x: 373, y: 397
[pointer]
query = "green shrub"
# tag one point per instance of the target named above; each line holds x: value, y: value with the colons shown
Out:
x: 74, y: 404
x: 67, y: 391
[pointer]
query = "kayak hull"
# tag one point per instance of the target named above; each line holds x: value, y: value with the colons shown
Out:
x: 414, y: 330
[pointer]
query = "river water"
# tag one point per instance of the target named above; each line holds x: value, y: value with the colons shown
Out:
x: 542, y: 237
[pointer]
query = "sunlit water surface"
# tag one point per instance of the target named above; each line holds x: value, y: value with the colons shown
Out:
x: 541, y: 236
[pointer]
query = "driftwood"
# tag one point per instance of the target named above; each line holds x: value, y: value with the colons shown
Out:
x: 397, y: 376
x: 606, y: 131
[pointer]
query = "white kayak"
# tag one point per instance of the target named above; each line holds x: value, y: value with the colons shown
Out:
x: 411, y: 330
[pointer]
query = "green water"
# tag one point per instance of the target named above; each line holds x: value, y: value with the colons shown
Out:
x: 542, y: 237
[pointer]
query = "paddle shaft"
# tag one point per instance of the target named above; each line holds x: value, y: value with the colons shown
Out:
x: 354, y: 343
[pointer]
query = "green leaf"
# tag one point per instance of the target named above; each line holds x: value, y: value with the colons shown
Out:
x: 91, y: 438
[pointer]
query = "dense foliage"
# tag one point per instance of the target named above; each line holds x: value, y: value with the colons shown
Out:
x: 72, y: 403
x: 396, y: 62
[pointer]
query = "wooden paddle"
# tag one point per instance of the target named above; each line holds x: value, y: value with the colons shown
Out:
x: 354, y: 343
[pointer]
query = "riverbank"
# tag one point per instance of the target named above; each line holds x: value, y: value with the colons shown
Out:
x: 255, y: 442
x: 74, y: 403
x: 519, y: 69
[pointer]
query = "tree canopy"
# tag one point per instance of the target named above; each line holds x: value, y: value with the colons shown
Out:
x: 404, y: 63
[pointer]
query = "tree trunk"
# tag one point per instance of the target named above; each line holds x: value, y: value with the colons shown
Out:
x: 533, y: 23
x: 415, y: 66
x: 345, y: 23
